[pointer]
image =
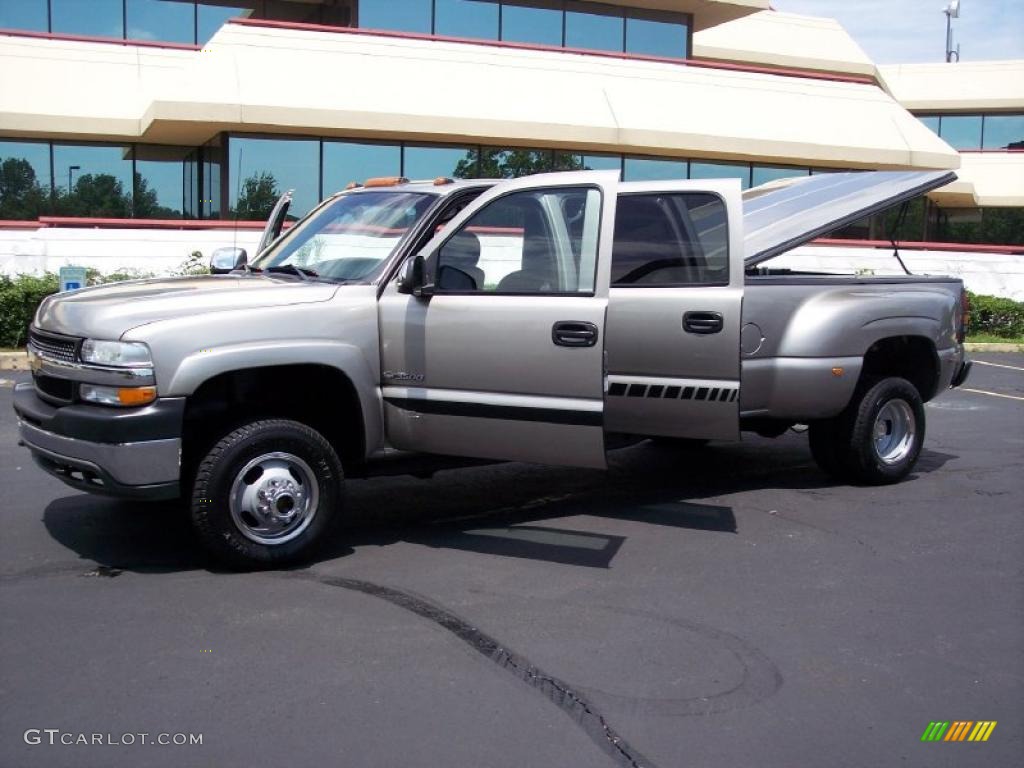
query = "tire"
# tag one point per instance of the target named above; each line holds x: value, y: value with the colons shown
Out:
x: 678, y: 443
x: 877, y: 439
x: 267, y: 494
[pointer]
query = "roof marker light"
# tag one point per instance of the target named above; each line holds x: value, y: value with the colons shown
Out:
x: 385, y: 181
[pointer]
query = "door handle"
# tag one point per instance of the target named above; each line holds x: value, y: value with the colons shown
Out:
x: 702, y: 322
x: 574, y: 333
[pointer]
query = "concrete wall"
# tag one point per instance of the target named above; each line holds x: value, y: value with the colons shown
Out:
x: 161, y: 251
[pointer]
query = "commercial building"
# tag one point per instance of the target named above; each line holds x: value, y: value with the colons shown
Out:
x: 136, y: 117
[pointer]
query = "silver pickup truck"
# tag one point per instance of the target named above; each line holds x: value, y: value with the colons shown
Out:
x: 403, y: 325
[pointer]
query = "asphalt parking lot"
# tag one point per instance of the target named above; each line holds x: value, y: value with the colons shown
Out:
x: 729, y: 607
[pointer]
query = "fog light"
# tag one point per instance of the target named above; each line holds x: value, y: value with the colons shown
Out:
x: 117, y: 395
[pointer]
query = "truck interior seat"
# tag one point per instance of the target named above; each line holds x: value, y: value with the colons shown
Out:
x: 459, y: 258
x: 538, y: 272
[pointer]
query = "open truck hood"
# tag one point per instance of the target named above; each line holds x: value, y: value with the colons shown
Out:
x: 782, y: 215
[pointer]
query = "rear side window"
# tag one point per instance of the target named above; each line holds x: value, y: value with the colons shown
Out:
x: 670, y: 239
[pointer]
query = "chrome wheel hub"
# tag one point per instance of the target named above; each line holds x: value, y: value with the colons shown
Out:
x: 273, y: 498
x: 894, y: 431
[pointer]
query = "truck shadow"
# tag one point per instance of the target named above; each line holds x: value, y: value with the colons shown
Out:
x: 496, y: 510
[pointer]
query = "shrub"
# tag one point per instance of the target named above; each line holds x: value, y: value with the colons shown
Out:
x: 19, y: 298
x: 999, y: 317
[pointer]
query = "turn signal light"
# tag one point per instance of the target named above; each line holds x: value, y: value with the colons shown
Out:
x: 123, y: 396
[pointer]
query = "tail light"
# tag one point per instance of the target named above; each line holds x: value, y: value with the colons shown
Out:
x: 965, y: 315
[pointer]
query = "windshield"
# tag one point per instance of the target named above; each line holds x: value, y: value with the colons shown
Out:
x: 349, y: 237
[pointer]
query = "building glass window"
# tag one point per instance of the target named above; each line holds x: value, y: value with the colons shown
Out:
x: 497, y: 163
x: 594, y: 27
x: 400, y: 15
x: 24, y: 179
x: 931, y: 122
x: 210, y: 18
x: 261, y: 170
x: 961, y: 131
x: 432, y: 162
x: 653, y: 169
x: 720, y: 171
x: 102, y: 18
x: 160, y: 186
x: 211, y: 194
x: 24, y: 14
x: 466, y: 18
x: 93, y: 180
x: 160, y: 20
x: 348, y: 161
x: 1004, y: 132
x: 656, y: 34
x: 764, y: 173
x: 535, y: 24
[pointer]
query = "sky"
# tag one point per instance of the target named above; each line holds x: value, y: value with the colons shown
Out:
x: 911, y: 31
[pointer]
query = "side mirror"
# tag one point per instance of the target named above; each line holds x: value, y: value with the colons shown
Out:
x: 225, y: 260
x: 411, y: 278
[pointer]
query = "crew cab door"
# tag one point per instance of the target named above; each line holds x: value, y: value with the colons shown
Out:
x: 676, y: 294
x: 502, y: 357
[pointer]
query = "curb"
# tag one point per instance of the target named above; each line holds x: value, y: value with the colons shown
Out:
x: 14, y: 361
x: 977, y: 346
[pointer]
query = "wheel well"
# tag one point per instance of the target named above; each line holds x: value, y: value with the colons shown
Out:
x: 317, y: 395
x: 910, y: 357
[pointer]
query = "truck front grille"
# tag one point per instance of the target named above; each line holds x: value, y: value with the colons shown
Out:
x: 53, y: 345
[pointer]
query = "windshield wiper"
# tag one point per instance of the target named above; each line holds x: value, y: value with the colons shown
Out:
x: 304, y: 272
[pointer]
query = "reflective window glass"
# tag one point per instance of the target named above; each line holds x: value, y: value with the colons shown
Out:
x: 213, y: 177
x: 23, y: 14
x: 765, y: 173
x: 93, y: 180
x: 529, y: 24
x: 348, y: 161
x: 261, y: 170
x: 670, y: 239
x: 399, y: 15
x: 656, y: 35
x: 159, y: 181
x: 190, y: 186
x: 652, y: 169
x: 466, y: 18
x: 961, y: 131
x: 102, y: 18
x: 591, y: 26
x: 165, y: 20
x: 931, y: 122
x: 534, y: 241
x: 510, y: 163
x: 431, y: 162
x: 720, y: 171
x: 1004, y: 132
x: 24, y: 179
x: 210, y: 18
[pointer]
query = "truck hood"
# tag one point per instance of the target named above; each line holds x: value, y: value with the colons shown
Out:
x: 108, y: 311
x: 782, y: 215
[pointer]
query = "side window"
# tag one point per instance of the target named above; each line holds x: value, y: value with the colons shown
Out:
x: 534, y: 241
x: 670, y: 239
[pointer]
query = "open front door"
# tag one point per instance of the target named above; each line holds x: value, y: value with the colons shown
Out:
x: 674, y: 310
x: 503, y: 358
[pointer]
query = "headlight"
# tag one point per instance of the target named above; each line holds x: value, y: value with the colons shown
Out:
x: 127, y: 396
x: 116, y: 353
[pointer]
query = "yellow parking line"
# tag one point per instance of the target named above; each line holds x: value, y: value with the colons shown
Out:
x: 994, y: 394
x: 999, y: 365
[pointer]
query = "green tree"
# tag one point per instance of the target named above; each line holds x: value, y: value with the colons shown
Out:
x: 96, y: 194
x: 21, y: 196
x: 145, y: 204
x: 257, y: 198
x: 512, y: 163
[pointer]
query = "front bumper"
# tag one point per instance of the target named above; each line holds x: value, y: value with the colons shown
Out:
x: 131, y: 452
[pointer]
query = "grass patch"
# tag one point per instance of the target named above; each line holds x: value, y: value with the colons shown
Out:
x: 990, y: 338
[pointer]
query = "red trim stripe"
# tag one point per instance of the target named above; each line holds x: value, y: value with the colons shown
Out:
x: 98, y: 39
x: 97, y: 223
x: 701, y: 63
x: 915, y: 245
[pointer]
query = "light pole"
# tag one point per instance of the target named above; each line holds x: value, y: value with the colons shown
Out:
x: 70, y: 169
x: 952, y: 12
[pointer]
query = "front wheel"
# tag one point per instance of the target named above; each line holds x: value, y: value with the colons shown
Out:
x: 267, y: 494
x: 877, y: 439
